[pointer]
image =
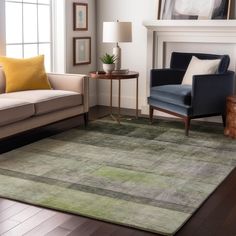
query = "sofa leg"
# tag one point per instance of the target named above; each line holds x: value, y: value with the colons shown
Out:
x: 187, y: 121
x: 86, y: 119
x: 151, y: 114
x: 224, y: 120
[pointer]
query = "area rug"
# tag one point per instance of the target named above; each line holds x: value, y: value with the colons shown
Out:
x: 145, y: 176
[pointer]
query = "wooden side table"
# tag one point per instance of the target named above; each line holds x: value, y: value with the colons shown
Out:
x: 230, y: 129
x: 130, y: 75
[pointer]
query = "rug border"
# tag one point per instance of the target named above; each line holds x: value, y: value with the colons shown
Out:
x: 87, y: 216
x: 120, y: 224
x: 224, y: 180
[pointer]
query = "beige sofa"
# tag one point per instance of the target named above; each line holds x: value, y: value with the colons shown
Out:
x: 26, y: 110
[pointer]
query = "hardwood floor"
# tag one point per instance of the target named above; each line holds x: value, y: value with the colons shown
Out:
x: 21, y: 219
x: 216, y: 217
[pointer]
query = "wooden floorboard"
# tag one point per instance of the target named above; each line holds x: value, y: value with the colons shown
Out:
x: 73, y: 223
x: 58, y: 232
x: 31, y: 223
x: 86, y: 229
x: 26, y: 214
x: 12, y: 211
x: 216, y: 217
x: 8, y: 225
x: 104, y: 229
x: 49, y: 225
x: 5, y: 204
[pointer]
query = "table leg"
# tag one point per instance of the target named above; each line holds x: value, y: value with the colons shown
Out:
x: 111, y: 98
x: 119, y: 101
x: 137, y: 98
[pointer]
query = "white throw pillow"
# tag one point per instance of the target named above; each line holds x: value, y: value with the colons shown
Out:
x: 200, y: 67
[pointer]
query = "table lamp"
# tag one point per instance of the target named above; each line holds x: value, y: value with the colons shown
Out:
x: 117, y: 32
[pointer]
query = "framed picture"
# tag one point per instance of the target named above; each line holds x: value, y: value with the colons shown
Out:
x: 82, y: 50
x: 80, y: 16
x: 192, y: 9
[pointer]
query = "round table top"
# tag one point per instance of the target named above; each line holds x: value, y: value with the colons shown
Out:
x: 232, y: 99
x: 103, y: 75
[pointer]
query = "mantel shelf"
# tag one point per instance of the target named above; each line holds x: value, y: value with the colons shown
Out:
x: 191, y: 25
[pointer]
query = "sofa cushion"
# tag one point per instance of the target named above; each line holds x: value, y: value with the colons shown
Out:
x: 13, y: 110
x: 173, y: 94
x: 46, y: 101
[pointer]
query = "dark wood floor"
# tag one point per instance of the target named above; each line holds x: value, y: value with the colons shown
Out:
x: 216, y: 217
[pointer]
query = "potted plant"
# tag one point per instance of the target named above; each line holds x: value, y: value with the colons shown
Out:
x: 108, y: 62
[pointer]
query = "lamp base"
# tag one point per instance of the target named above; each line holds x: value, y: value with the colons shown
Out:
x: 117, y: 53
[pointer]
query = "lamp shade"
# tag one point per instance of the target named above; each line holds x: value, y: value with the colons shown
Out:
x: 115, y: 32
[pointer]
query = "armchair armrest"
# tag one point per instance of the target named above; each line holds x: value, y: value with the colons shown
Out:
x: 209, y: 92
x: 166, y: 76
x: 71, y: 82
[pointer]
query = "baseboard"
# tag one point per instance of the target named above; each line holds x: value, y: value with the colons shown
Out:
x: 92, y: 100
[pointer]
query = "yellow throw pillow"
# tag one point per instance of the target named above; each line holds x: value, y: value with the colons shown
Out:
x: 24, y: 74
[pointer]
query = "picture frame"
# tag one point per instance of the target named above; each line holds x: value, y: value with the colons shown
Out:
x: 194, y: 10
x: 80, y: 16
x: 81, y: 50
x: 159, y: 3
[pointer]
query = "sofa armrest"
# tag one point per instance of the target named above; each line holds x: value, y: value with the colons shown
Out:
x: 71, y: 82
x: 210, y: 92
x: 166, y: 76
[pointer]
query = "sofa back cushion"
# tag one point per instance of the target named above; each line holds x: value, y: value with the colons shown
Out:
x: 2, y: 81
x: 181, y: 60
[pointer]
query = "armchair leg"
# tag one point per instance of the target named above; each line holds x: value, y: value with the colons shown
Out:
x: 86, y: 119
x: 224, y: 120
x: 187, y: 121
x: 151, y: 114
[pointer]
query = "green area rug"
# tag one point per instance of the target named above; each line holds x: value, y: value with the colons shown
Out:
x: 145, y: 176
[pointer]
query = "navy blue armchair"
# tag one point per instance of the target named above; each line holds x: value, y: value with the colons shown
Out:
x: 204, y: 98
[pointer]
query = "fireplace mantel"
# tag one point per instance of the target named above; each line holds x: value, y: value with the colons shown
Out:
x: 191, y: 25
x: 186, y: 31
x: 160, y: 32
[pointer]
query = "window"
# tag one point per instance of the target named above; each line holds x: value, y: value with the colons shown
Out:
x: 28, y: 29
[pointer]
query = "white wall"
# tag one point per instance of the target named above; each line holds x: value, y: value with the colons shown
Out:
x: 70, y: 33
x: 133, y: 54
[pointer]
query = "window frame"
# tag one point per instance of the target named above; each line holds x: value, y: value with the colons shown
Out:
x: 38, y: 43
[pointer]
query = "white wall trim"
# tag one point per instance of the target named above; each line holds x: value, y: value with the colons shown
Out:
x: 2, y: 29
x: 59, y: 36
x: 181, y: 31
